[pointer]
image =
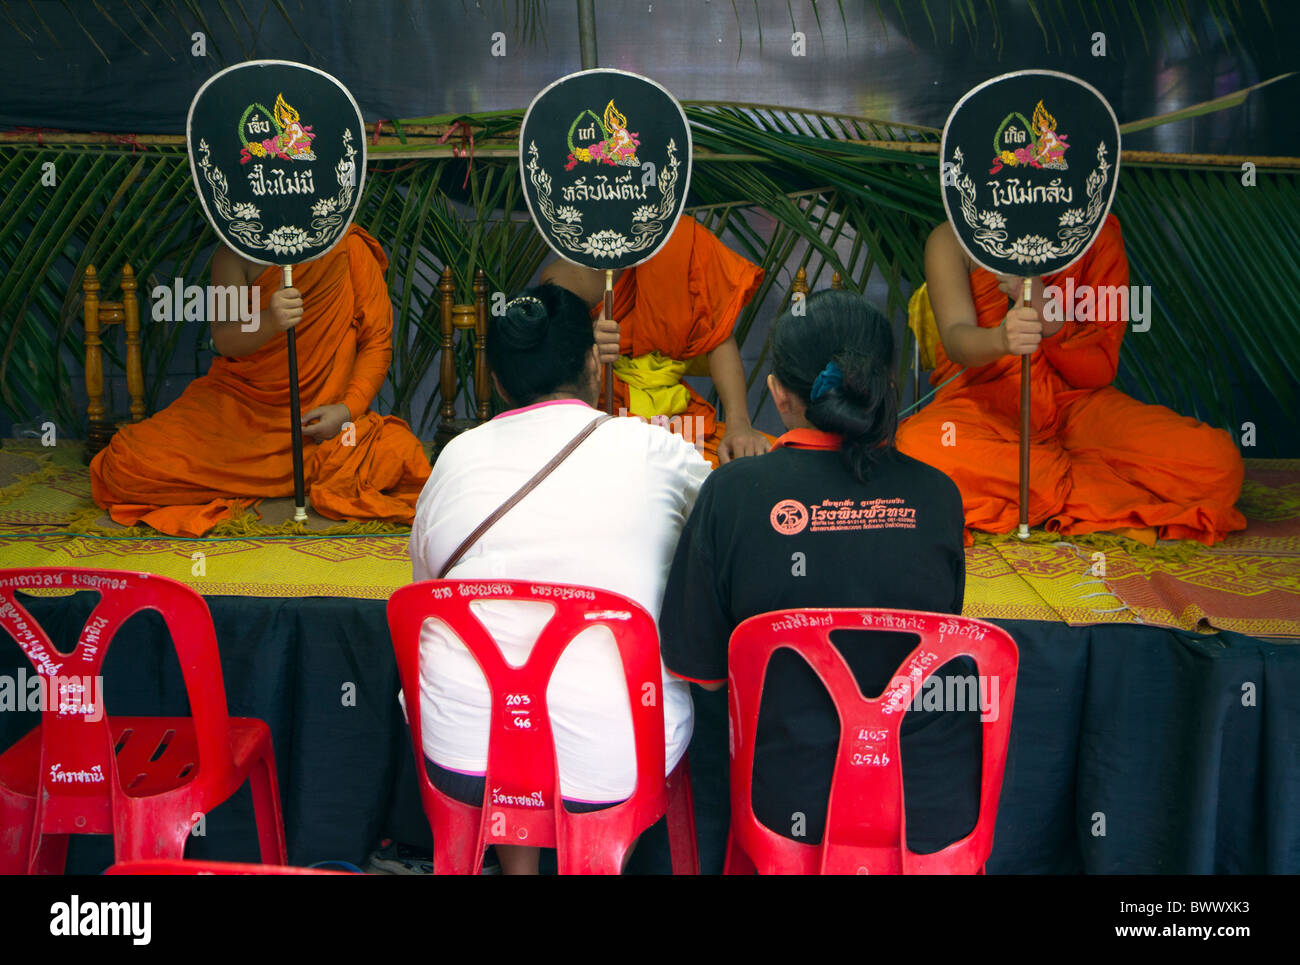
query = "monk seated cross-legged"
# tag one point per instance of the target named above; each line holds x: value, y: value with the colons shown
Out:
x: 227, y: 440
x: 1099, y: 460
x: 677, y: 306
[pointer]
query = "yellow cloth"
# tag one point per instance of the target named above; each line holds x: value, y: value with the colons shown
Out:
x: 920, y: 319
x: 654, y: 384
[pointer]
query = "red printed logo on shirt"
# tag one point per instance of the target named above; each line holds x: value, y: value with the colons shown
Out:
x: 789, y: 516
x: 861, y: 514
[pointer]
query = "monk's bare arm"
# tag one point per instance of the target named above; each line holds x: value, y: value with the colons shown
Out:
x: 947, y: 277
x: 285, y: 309
x: 587, y: 283
x: 728, y: 373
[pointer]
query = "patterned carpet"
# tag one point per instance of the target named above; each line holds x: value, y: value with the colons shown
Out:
x: 1250, y: 583
x: 47, y: 518
x: 1010, y: 580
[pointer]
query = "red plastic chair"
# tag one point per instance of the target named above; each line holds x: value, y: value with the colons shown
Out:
x: 866, y: 829
x: 521, y: 753
x: 141, y: 779
x: 179, y: 867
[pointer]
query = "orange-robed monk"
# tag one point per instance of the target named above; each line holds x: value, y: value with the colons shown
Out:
x: 679, y: 305
x: 227, y: 439
x: 1099, y: 460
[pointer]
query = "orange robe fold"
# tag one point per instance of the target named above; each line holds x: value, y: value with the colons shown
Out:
x: 1099, y: 460
x: 683, y: 303
x: 227, y: 440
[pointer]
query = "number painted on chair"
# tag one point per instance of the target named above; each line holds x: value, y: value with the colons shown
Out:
x: 518, y: 712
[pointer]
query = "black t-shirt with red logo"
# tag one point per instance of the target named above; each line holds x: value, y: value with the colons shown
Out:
x: 793, y: 529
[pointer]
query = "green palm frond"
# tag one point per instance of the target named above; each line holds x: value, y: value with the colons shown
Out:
x: 1216, y: 255
x: 1235, y: 99
x: 106, y: 208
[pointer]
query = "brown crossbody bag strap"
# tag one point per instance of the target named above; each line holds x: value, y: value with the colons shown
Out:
x: 524, y: 490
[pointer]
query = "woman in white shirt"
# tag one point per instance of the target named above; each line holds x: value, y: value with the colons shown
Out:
x: 609, y: 517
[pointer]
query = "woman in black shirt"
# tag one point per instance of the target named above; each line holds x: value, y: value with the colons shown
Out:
x: 771, y: 533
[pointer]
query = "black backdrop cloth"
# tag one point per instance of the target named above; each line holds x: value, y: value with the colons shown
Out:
x: 407, y: 60
x: 1135, y: 731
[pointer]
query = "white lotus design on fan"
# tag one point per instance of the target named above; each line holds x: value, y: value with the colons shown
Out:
x: 606, y: 243
x: 287, y: 240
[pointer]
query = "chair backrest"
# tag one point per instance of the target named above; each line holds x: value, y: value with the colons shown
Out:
x: 866, y: 819
x: 98, y: 314
x: 79, y: 777
x: 468, y: 318
x: 521, y: 800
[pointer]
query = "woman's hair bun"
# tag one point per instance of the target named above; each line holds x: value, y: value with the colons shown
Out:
x: 524, y: 325
x: 862, y: 372
x: 540, y: 344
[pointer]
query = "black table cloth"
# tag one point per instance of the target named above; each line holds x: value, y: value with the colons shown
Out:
x: 1133, y: 749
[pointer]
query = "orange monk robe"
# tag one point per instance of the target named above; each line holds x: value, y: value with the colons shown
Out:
x: 1099, y: 460
x: 683, y: 303
x: 227, y: 440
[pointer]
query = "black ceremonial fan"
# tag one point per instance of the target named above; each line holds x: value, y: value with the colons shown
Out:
x: 605, y: 158
x: 1029, y: 162
x: 278, y: 156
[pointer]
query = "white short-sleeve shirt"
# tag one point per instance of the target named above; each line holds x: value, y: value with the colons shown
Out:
x: 609, y: 517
